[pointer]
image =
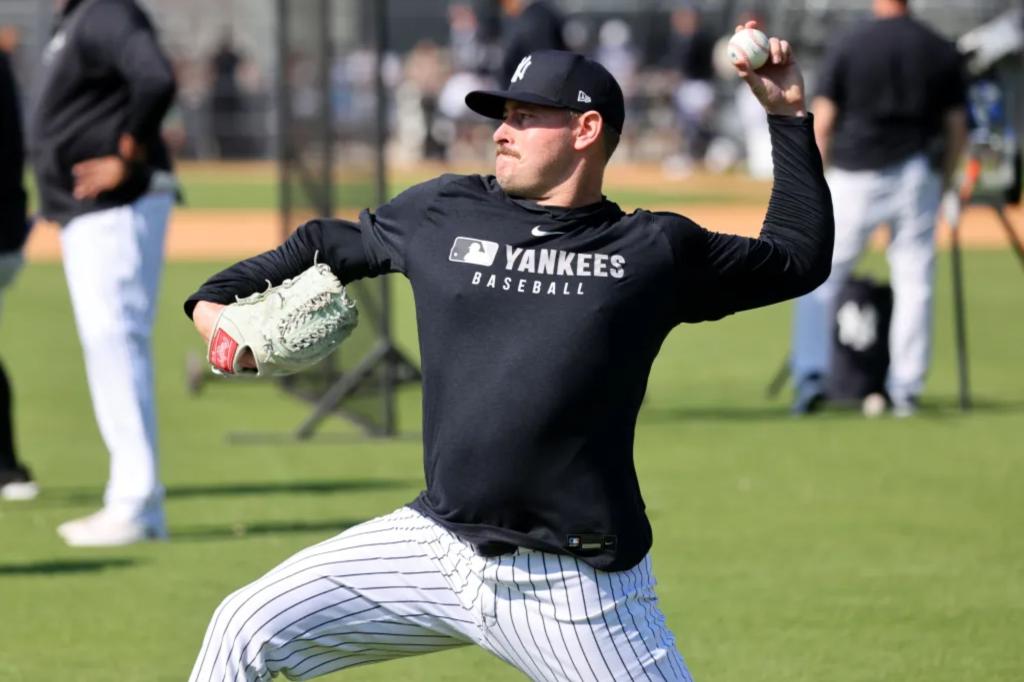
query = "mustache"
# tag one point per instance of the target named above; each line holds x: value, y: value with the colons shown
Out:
x: 505, y: 151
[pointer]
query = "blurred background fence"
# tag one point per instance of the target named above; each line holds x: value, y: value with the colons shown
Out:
x: 225, y: 59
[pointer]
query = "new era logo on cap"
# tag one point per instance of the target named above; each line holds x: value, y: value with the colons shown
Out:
x: 556, y: 78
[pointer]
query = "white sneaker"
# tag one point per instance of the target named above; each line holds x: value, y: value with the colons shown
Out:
x: 16, y: 484
x: 904, y: 407
x: 104, y: 529
x: 19, y: 491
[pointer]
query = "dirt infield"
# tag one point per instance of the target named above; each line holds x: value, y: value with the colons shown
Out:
x: 225, y: 234
x: 197, y: 234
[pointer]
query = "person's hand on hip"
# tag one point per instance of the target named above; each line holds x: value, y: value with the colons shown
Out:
x: 104, y: 173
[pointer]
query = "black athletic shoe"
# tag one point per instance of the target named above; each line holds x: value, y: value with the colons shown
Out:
x: 16, y: 484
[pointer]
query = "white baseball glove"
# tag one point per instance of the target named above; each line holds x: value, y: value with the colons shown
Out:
x: 288, y: 328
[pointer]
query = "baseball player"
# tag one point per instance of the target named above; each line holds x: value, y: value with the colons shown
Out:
x: 878, y: 116
x: 16, y: 481
x: 104, y: 176
x: 530, y: 539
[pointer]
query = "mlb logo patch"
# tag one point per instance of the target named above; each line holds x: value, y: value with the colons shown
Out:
x: 473, y: 251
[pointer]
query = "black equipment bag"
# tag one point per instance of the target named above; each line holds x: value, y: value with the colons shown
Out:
x: 860, y: 340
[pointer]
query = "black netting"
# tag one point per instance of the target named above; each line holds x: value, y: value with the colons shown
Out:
x: 331, y: 132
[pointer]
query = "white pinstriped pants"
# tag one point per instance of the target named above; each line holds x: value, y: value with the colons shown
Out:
x: 401, y: 585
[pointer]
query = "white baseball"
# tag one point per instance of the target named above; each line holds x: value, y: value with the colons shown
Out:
x: 749, y: 43
x: 873, y: 405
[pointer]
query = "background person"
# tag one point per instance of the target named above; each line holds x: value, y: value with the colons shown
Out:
x: 16, y: 481
x: 530, y: 25
x: 891, y: 122
x: 690, y: 51
x: 104, y: 175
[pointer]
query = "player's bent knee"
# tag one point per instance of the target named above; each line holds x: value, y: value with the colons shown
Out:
x: 238, y: 638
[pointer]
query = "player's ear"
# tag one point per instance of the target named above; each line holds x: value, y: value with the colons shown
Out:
x: 587, y: 129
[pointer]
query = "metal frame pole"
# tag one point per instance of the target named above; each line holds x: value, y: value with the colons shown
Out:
x: 389, y: 377
x: 284, y: 117
x: 326, y: 117
x: 959, y: 318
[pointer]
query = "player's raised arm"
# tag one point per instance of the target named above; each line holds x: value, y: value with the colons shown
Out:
x: 722, y: 274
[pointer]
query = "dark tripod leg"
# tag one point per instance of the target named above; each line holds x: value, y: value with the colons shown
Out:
x: 959, y: 315
x: 779, y: 380
x: 1011, y: 234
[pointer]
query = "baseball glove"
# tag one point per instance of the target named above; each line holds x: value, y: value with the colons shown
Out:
x: 288, y: 328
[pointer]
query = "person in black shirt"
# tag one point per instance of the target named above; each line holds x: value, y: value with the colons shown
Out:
x: 103, y: 173
x: 690, y: 52
x: 531, y: 25
x: 890, y: 120
x: 541, y: 307
x: 15, y: 479
x: 226, y: 101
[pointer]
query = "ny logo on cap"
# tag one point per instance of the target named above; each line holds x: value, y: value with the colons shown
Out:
x: 521, y: 69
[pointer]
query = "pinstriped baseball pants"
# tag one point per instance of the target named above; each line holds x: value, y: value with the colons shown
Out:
x: 401, y: 585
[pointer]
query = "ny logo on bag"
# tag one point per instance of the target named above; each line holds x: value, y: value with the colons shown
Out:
x: 858, y: 325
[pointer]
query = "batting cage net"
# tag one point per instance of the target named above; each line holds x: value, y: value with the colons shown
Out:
x: 331, y: 133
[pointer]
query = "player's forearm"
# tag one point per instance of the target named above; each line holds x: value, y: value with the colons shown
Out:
x: 824, y: 122
x: 793, y: 253
x: 149, y: 104
x: 118, y: 37
x: 337, y: 243
x: 204, y: 316
x: 152, y: 85
x: 799, y: 223
x: 253, y: 274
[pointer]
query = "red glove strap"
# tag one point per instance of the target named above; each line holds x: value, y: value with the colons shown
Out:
x: 222, y: 352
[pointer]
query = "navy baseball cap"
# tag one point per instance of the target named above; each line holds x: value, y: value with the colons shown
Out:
x: 555, y: 78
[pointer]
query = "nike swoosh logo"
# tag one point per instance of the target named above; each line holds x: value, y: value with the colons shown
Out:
x: 537, y: 232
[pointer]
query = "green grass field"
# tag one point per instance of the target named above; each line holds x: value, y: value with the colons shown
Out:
x: 825, y: 549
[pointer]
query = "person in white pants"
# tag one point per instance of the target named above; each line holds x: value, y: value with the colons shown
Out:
x: 905, y: 196
x: 105, y: 176
x: 877, y: 126
x: 112, y: 262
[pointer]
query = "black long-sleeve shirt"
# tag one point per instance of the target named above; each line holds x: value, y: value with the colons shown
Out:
x: 102, y: 75
x: 12, y: 162
x: 538, y: 327
x: 891, y: 99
